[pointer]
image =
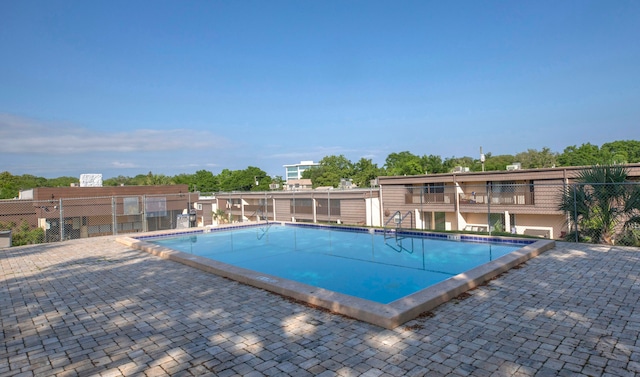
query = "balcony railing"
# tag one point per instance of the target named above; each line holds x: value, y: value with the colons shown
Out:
x: 430, y: 198
x: 498, y: 198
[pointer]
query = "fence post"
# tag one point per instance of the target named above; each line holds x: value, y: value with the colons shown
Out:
x: 488, y: 209
x: 370, y: 204
x: 114, y: 215
x: 328, y: 206
x: 422, y: 193
x: 575, y: 212
x: 145, y: 227
x: 241, y: 208
x: 61, y: 223
x: 273, y: 204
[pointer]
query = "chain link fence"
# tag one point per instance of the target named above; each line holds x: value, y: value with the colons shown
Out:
x: 37, y: 221
x: 607, y: 213
x: 348, y: 206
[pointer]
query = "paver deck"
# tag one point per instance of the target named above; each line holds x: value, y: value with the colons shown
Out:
x: 96, y: 307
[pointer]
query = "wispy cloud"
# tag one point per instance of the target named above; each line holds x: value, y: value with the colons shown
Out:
x: 123, y: 165
x: 33, y: 136
x: 305, y: 154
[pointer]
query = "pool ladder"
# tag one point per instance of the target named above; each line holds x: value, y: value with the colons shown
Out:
x: 390, y: 232
x: 262, y: 230
x: 397, y: 218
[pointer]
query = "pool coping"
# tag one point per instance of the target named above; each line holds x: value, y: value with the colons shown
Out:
x: 389, y: 315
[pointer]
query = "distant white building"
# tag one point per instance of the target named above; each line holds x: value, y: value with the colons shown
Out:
x: 295, y: 171
x: 90, y: 180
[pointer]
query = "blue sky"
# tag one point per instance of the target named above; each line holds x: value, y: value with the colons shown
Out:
x: 128, y: 87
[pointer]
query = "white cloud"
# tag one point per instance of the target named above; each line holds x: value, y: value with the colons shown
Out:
x: 311, y: 153
x: 29, y: 136
x: 124, y: 165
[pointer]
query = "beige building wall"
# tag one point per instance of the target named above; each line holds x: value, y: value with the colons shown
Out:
x: 353, y: 211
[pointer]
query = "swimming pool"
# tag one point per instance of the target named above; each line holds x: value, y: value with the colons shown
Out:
x: 352, y: 271
x: 357, y: 263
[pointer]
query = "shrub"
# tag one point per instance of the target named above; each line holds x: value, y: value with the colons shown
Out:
x: 23, y: 234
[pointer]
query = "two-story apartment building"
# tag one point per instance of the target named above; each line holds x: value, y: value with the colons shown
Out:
x: 517, y: 201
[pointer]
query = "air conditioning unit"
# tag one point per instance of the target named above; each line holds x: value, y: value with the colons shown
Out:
x: 515, y: 166
x: 461, y: 169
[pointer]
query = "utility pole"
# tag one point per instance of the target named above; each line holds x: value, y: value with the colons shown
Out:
x: 482, y: 158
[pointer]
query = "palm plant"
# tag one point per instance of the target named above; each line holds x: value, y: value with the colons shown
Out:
x: 598, y: 201
x: 631, y: 231
x: 221, y: 216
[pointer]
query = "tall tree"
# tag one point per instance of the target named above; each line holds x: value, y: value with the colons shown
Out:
x: 140, y: 179
x: 61, y: 181
x: 157, y: 180
x: 330, y: 171
x: 225, y: 178
x: 404, y: 163
x: 364, y: 171
x: 244, y: 180
x: 205, y: 181
x: 451, y: 163
x: 622, y: 151
x: 9, y: 186
x: 120, y: 180
x: 259, y: 179
x: 533, y: 159
x: 584, y: 155
x: 432, y: 164
x: 500, y: 162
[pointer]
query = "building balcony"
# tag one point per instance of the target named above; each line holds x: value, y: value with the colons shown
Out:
x: 502, y: 198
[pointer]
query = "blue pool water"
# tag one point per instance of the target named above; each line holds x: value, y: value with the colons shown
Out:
x: 359, y: 264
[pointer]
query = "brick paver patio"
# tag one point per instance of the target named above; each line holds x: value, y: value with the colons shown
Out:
x: 95, y: 307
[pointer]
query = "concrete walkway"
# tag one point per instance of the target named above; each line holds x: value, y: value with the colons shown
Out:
x: 95, y: 307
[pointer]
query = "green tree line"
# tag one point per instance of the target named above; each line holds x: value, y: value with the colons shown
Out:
x: 332, y: 169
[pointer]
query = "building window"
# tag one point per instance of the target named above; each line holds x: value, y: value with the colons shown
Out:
x: 302, y: 206
x: 434, y: 188
x: 322, y: 207
x: 502, y: 186
x: 498, y: 223
x: 292, y: 173
x: 440, y: 223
